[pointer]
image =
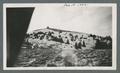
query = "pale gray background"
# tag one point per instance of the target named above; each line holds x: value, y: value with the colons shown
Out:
x: 59, y: 1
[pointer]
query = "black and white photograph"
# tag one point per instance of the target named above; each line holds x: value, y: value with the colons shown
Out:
x: 59, y: 36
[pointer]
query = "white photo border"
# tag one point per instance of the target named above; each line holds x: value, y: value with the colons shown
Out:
x: 114, y: 37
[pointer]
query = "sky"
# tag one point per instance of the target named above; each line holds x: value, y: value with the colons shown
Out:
x: 94, y: 20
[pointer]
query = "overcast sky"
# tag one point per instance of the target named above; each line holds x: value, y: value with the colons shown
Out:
x: 94, y: 20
